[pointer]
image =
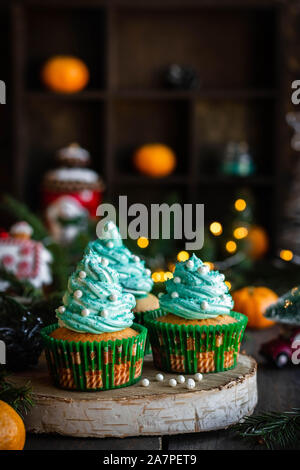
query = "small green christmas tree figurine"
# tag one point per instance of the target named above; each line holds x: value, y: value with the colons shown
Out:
x: 287, y: 308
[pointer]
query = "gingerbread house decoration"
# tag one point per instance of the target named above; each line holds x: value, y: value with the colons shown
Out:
x: 71, y: 193
x: 27, y: 259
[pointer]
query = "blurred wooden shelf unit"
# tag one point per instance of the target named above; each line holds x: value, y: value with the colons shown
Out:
x: 236, y: 49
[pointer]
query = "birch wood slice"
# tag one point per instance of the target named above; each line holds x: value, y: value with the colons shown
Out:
x: 218, y: 401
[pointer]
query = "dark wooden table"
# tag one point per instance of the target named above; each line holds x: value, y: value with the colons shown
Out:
x: 278, y: 390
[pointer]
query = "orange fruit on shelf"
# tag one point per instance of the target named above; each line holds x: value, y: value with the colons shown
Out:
x: 253, y: 302
x: 12, y: 429
x: 258, y: 242
x: 155, y: 160
x: 65, y: 74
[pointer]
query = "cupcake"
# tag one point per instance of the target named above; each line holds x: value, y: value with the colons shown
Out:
x: 195, y: 329
x: 134, y: 277
x: 95, y: 345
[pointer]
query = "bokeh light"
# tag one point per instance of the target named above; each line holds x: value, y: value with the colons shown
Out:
x: 183, y: 256
x: 228, y: 284
x: 143, y: 242
x: 286, y: 255
x: 240, y: 205
x: 216, y: 228
x: 240, y: 232
x: 231, y: 246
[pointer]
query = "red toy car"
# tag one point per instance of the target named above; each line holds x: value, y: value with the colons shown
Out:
x: 280, y: 350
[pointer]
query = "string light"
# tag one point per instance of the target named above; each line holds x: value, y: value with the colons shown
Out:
x: 209, y: 264
x: 216, y: 228
x: 286, y: 255
x: 156, y: 277
x: 228, y: 284
x: 168, y: 275
x: 240, y: 205
x: 143, y: 242
x: 183, y: 256
x: 231, y: 246
x: 240, y: 232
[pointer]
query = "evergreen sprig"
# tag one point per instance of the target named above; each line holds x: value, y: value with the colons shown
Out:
x: 22, y: 288
x: 21, y: 212
x: 19, y: 397
x: 274, y: 429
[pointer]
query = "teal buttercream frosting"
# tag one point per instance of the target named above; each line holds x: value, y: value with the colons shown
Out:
x: 134, y: 277
x: 94, y: 301
x: 196, y: 292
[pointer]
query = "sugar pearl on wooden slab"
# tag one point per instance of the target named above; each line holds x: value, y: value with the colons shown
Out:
x: 177, y: 280
x: 145, y: 382
x: 82, y: 274
x: 110, y: 244
x: 174, y: 295
x: 181, y: 379
x: 159, y: 377
x: 85, y: 312
x: 190, y: 264
x: 172, y: 382
x: 198, y: 377
x: 190, y: 384
x: 61, y: 309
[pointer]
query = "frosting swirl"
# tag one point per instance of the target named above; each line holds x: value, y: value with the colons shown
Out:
x: 134, y: 277
x: 94, y: 301
x: 195, y: 292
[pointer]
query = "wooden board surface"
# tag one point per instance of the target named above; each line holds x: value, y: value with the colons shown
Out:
x: 217, y: 401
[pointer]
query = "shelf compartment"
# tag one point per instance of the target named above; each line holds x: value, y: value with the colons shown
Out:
x: 149, y: 40
x: 63, y: 31
x: 222, y: 121
x: 53, y: 125
x: 141, y: 122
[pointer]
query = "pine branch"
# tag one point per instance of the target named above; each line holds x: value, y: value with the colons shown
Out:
x: 273, y: 429
x: 20, y: 398
x: 21, y: 212
x: 22, y: 288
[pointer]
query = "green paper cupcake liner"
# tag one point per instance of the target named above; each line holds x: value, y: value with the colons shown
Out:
x: 94, y: 366
x: 140, y: 319
x: 194, y: 348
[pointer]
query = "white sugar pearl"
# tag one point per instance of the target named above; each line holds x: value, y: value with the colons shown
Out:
x: 198, y: 377
x: 145, y: 383
x: 181, y: 379
x: 104, y: 262
x: 110, y: 244
x: 78, y: 294
x: 148, y: 272
x: 172, y: 382
x: 159, y: 377
x: 104, y: 313
x: 190, y: 384
x: 85, y: 312
x: 135, y: 258
x: 204, y: 305
x: 113, y: 297
x: 203, y: 269
x: 82, y: 274
x: 61, y: 309
x: 190, y: 264
x: 109, y: 226
x: 177, y: 280
x: 222, y: 277
x: 160, y: 295
x: 174, y: 295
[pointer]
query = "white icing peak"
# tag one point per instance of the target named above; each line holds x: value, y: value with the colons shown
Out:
x: 83, y: 175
